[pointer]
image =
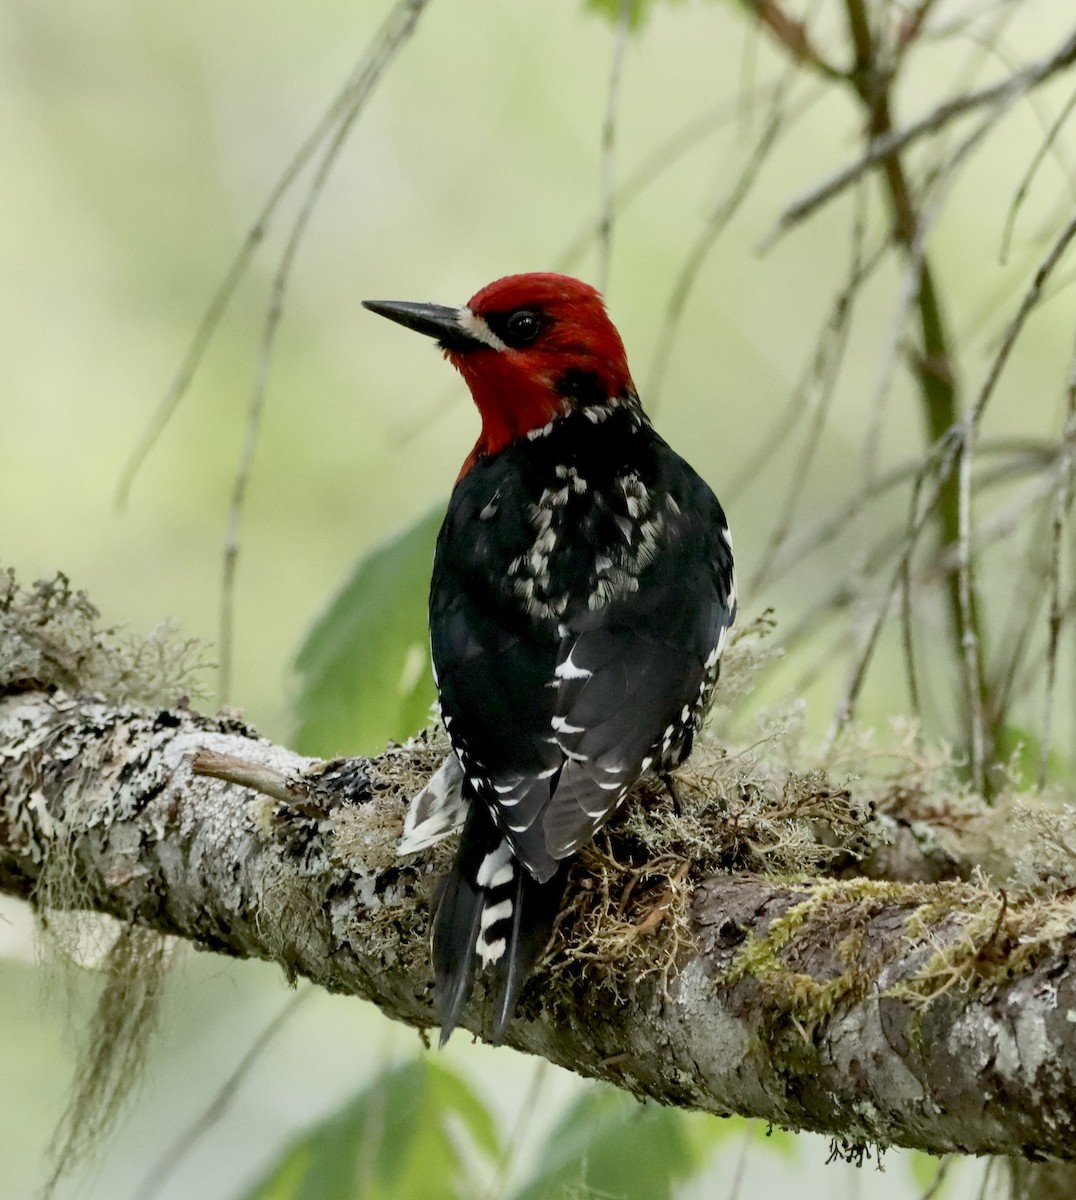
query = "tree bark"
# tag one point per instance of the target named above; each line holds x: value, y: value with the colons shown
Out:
x: 933, y: 1015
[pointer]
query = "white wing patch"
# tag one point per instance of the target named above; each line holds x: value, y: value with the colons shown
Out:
x: 715, y: 653
x: 569, y: 670
x: 437, y: 811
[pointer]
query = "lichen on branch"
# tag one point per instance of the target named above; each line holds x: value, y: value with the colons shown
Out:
x: 794, y: 943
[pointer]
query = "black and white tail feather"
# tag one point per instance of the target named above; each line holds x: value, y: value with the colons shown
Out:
x: 491, y: 914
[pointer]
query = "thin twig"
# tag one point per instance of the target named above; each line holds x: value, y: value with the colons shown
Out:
x: 889, y: 548
x: 394, y: 33
x: 970, y: 640
x: 517, y: 1137
x: 163, y: 1168
x: 1016, y: 325
x: 1019, y: 458
x: 936, y: 1184
x: 1062, y: 504
x: 779, y: 121
x: 1025, y: 603
x: 884, y: 146
x: 973, y: 690
x: 792, y: 34
x: 608, y: 152
x: 941, y: 460
x: 258, y: 777
x: 1045, y: 146
x: 821, y: 378
x: 741, y: 1165
x: 665, y: 155
x: 217, y: 306
x: 886, y: 375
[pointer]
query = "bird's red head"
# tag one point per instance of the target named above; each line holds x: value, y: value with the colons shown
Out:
x: 531, y: 348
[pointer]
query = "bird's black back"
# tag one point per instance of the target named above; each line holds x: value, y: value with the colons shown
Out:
x: 582, y: 587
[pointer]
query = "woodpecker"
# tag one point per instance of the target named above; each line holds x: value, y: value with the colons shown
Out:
x: 582, y: 588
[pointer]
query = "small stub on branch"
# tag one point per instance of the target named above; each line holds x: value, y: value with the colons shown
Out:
x: 260, y: 778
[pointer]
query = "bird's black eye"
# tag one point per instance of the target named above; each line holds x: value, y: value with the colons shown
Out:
x: 517, y: 328
x: 523, y: 327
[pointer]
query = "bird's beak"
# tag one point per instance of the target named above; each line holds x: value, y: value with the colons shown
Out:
x: 435, y: 320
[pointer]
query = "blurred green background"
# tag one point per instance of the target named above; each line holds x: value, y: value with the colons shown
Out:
x: 141, y: 140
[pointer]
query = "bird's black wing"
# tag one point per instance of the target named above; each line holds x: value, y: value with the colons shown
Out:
x: 563, y: 680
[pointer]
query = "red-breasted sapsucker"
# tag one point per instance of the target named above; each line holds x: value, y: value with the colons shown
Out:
x: 582, y: 588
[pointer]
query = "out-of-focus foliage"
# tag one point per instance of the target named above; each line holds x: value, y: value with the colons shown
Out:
x: 400, y: 1137
x: 365, y: 665
x: 420, y: 1131
x: 607, y: 1144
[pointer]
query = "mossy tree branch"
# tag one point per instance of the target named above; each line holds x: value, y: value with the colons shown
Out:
x: 934, y: 1015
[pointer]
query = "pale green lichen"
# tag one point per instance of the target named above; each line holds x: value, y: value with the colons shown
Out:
x: 764, y: 807
x: 114, y: 1047
x: 51, y: 636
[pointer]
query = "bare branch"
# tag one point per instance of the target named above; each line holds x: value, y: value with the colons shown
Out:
x: 608, y: 158
x: 1062, y: 505
x: 1015, y: 327
x: 778, y: 123
x: 409, y: 11
x: 394, y: 33
x: 792, y: 34
x: 165, y: 1166
x: 969, y: 627
x: 1002, y: 95
x: 1048, y: 143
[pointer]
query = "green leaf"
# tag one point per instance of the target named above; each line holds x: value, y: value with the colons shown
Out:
x: 610, y: 1145
x: 397, y: 1138
x: 364, y: 667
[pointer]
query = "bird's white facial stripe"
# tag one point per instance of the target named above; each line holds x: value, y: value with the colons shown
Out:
x: 475, y: 326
